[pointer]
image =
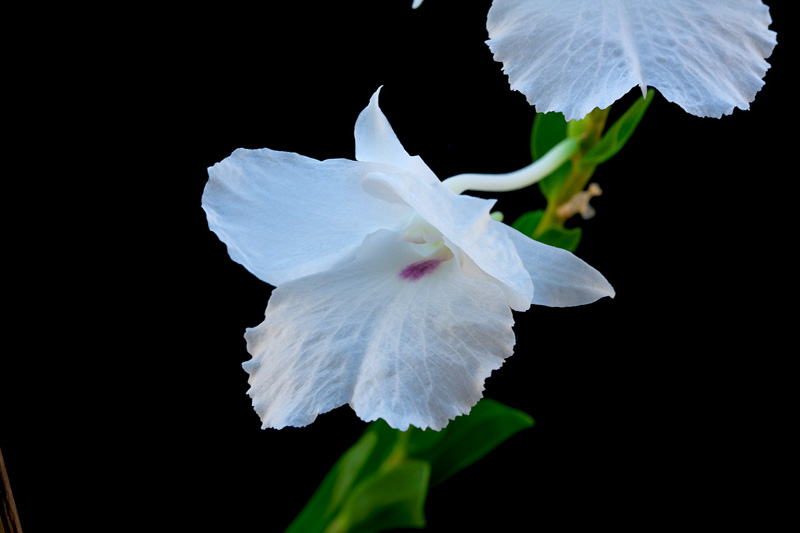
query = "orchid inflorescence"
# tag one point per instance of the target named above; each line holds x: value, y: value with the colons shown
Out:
x: 394, y: 291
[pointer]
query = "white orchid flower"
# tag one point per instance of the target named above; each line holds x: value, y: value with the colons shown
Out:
x: 707, y: 56
x: 393, y: 293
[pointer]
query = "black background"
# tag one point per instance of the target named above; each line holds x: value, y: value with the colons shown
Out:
x: 123, y: 397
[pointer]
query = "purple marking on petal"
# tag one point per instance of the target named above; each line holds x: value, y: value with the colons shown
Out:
x: 415, y: 271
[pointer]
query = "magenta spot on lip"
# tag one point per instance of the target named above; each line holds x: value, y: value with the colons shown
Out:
x: 415, y: 271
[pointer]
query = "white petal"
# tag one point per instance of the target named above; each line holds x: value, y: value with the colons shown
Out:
x: 411, y: 351
x: 465, y: 222
x: 708, y: 56
x: 416, y: 4
x: 377, y: 142
x: 560, y: 278
x: 283, y: 215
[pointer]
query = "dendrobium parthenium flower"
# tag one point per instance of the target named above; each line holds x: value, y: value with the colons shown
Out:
x: 393, y: 292
x: 707, y: 56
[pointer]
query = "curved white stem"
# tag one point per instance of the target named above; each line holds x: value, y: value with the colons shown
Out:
x: 541, y: 168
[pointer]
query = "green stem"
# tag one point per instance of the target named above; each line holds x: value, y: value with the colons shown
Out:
x: 399, y: 451
x: 587, y: 133
x: 576, y: 181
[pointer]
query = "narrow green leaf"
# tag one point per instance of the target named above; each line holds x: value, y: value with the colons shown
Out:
x: 527, y: 222
x: 618, y: 134
x: 552, y: 184
x: 381, y: 482
x: 390, y: 498
x: 338, y: 483
x: 468, y: 438
x: 568, y: 239
x: 387, y: 440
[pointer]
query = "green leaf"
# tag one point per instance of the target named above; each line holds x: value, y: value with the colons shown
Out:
x: 335, y: 487
x: 568, y: 239
x: 381, y: 482
x: 468, y: 438
x: 618, y: 134
x: 390, y: 498
x: 527, y: 222
x: 549, y: 129
x: 552, y: 184
x: 360, y: 461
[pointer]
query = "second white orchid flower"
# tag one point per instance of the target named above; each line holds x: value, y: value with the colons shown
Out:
x: 571, y: 56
